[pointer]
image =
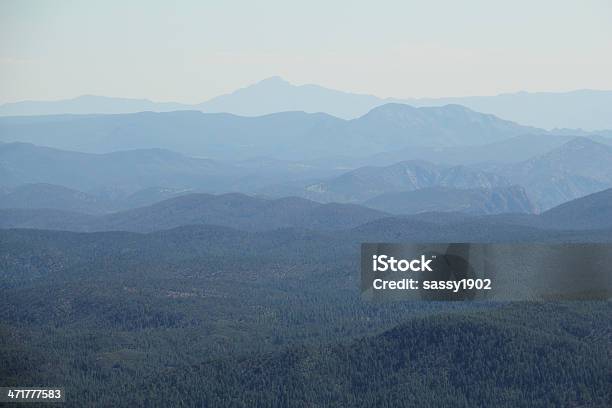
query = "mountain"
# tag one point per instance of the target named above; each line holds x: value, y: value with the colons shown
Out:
x: 497, y: 200
x: 581, y: 219
x: 591, y: 212
x: 288, y: 135
x: 45, y: 218
x: 368, y: 182
x: 240, y: 211
x: 51, y: 196
x: 515, y: 149
x: 39, y: 177
x: 230, y: 210
x: 449, y: 125
x: 274, y: 94
x: 114, y: 176
x: 581, y: 109
x: 122, y: 172
x: 268, y: 96
x: 150, y: 195
x: 574, y: 169
x: 87, y: 104
x: 444, y: 360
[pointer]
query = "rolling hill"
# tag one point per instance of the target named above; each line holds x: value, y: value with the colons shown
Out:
x: 590, y: 212
x: 575, y: 221
x: 433, y: 361
x: 240, y: 211
x: 222, y: 317
x: 230, y: 210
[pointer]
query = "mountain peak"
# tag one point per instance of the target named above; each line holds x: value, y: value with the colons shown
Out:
x: 393, y: 107
x: 273, y: 80
x: 398, y: 108
x: 390, y: 110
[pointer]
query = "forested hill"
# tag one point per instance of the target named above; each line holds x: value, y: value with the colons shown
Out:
x: 458, y: 360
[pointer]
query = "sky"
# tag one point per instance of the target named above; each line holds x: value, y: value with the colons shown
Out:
x: 190, y: 51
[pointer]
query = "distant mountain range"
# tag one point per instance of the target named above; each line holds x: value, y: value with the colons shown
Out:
x: 118, y: 172
x: 515, y: 149
x: 118, y: 175
x: 88, y: 104
x: 586, y: 109
x: 231, y: 210
x: 366, y: 183
x: 496, y: 200
x: 436, y: 199
x: 256, y: 214
x: 592, y: 212
x: 252, y: 296
x: 274, y: 94
x: 287, y: 136
x: 574, y: 169
x: 101, y: 183
x: 582, y: 109
x: 52, y: 196
x: 242, y: 212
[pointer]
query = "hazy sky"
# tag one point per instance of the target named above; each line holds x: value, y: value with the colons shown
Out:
x: 193, y: 50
